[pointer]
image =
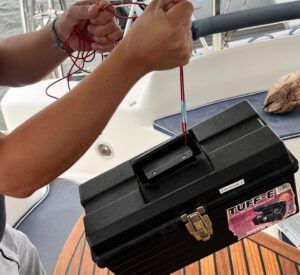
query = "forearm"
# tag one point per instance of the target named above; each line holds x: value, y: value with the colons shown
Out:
x: 51, y: 141
x: 28, y: 58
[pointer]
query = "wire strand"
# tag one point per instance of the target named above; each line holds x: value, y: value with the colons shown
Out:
x: 85, y: 54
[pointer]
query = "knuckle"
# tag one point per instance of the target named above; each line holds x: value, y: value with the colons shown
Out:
x: 110, y: 9
x: 189, y: 6
x: 119, y: 34
x: 111, y: 27
x: 98, y: 39
x: 183, y: 62
x: 91, y: 29
x: 104, y: 17
x: 185, y: 57
x: 114, y: 36
x: 104, y: 48
x: 100, y: 48
x: 93, y: 21
x: 117, y: 30
x: 158, y: 2
x: 98, y: 32
x: 101, y: 30
x: 154, y: 2
x: 69, y: 12
x: 177, y: 45
x: 103, y: 3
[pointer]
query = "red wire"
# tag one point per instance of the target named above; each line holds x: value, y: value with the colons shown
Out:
x: 122, y: 4
x: 86, y: 56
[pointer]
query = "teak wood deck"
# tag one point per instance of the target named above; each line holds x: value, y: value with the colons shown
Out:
x: 258, y: 254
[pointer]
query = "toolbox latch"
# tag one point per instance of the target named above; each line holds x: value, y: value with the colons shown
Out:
x: 198, y: 224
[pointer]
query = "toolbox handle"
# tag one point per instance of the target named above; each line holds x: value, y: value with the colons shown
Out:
x: 179, y: 156
x: 159, y: 161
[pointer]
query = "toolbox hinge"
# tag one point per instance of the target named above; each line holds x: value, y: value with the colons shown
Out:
x: 198, y: 224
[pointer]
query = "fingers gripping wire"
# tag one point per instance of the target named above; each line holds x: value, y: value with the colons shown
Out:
x: 85, y: 54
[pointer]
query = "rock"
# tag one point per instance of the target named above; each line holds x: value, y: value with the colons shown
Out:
x: 284, y: 95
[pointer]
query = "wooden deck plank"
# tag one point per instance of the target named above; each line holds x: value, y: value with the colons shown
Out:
x: 74, y: 263
x: 101, y: 271
x: 270, y: 261
x: 87, y: 265
x: 287, y: 266
x: 253, y: 257
x: 207, y: 265
x: 223, y: 263
x: 192, y: 269
x: 178, y: 272
x: 69, y: 247
x: 238, y: 259
x: 282, y: 248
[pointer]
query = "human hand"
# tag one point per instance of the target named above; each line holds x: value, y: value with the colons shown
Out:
x: 99, y: 28
x: 160, y: 39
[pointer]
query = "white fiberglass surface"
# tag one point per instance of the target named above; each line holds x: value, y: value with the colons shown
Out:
x: 208, y: 78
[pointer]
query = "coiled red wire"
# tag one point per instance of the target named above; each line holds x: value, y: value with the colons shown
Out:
x: 82, y: 57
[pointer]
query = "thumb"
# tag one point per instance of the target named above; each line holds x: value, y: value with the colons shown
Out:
x: 180, y: 13
x: 82, y: 12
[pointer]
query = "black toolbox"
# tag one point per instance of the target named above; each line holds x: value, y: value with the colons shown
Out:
x: 177, y: 203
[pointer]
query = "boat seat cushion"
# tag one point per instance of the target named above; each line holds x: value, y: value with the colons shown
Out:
x: 285, y: 125
x: 51, y: 223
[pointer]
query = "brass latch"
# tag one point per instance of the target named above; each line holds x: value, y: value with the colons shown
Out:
x: 198, y: 224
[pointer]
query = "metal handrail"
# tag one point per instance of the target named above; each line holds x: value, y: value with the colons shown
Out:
x: 245, y: 18
x: 34, y: 15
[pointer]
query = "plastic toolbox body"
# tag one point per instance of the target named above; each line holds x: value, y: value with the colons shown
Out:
x: 177, y: 203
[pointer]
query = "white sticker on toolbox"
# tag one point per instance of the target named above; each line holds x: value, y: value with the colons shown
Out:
x: 232, y: 186
x: 261, y: 211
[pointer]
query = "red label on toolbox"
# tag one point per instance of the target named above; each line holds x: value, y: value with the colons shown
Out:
x: 261, y: 211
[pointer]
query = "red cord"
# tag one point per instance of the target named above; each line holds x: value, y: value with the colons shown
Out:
x: 84, y: 56
x: 121, y: 4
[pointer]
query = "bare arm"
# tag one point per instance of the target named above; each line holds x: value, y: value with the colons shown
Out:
x: 27, y: 58
x: 50, y: 142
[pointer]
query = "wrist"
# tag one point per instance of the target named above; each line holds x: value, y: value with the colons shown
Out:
x: 119, y: 70
x: 132, y: 57
x: 125, y: 57
x: 57, y: 37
